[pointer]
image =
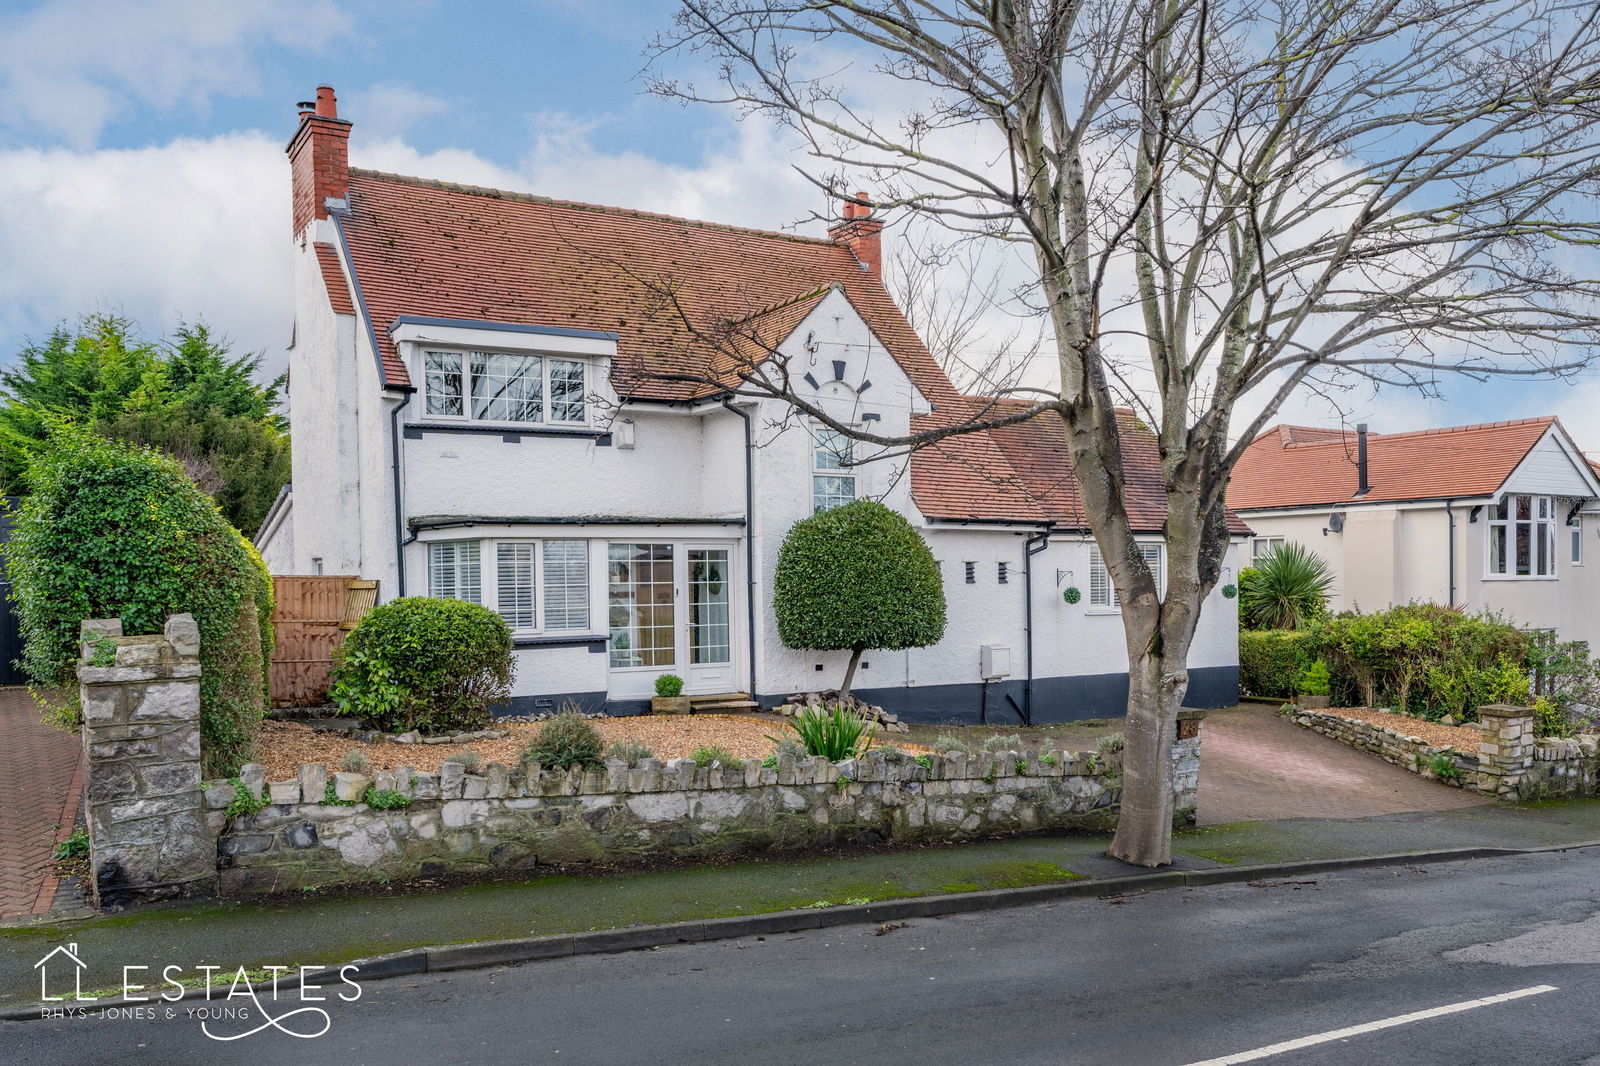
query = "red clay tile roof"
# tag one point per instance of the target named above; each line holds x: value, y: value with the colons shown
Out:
x: 1023, y: 472
x: 1295, y: 466
x: 429, y: 248
x: 423, y: 247
x: 333, y: 278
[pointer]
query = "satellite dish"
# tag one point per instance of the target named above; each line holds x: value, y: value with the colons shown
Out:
x: 1336, y: 521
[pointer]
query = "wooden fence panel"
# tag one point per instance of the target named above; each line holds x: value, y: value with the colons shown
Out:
x: 311, y: 617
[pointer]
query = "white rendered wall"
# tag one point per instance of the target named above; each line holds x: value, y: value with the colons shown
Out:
x: 325, y: 393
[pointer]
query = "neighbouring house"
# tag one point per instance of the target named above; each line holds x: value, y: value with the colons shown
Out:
x: 1501, y: 516
x: 482, y: 393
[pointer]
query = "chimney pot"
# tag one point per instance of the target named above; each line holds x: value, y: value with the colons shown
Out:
x: 319, y: 158
x: 860, y: 232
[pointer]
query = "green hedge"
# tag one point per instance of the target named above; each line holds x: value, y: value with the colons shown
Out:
x: 429, y: 664
x: 1272, y: 660
x: 1423, y: 658
x: 1420, y: 658
x: 113, y: 530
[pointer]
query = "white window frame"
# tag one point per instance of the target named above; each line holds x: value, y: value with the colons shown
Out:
x: 1574, y: 528
x: 1541, y: 523
x: 1109, y: 600
x: 546, y: 364
x: 489, y: 579
x: 825, y: 440
x: 1270, y: 544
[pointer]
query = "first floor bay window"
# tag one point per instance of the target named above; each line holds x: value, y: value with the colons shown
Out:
x: 1522, y: 537
x: 504, y: 387
x: 535, y: 585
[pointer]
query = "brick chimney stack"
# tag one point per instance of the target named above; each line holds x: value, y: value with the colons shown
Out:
x: 319, y: 158
x: 860, y: 232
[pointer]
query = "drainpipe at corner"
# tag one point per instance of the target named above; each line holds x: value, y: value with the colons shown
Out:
x: 749, y: 538
x: 1450, y: 555
x: 400, y: 539
x: 1036, y: 543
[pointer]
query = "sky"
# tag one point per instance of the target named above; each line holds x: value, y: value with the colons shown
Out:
x: 142, y: 167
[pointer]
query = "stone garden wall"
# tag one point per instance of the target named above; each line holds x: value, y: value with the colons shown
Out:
x: 157, y: 832
x: 515, y: 817
x: 1510, y: 762
x: 141, y: 744
x: 1390, y: 744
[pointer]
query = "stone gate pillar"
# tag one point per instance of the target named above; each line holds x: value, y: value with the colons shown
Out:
x: 1505, y: 755
x: 141, y: 746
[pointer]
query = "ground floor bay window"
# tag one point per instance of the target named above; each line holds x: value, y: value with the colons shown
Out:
x: 537, y: 586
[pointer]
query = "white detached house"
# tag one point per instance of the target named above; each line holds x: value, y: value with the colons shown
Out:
x: 483, y: 406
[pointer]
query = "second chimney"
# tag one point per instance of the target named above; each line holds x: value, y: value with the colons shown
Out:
x: 859, y: 232
x: 319, y: 158
x: 1362, y: 485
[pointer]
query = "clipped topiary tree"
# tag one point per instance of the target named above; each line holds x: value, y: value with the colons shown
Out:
x: 113, y: 530
x: 429, y: 664
x: 857, y: 577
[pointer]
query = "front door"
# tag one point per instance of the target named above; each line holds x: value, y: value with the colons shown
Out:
x: 670, y: 611
x: 709, y: 629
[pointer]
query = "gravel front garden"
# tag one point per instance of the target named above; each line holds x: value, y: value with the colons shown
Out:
x: 283, y: 746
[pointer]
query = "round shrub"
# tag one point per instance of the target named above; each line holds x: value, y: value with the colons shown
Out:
x: 565, y: 740
x: 427, y: 664
x: 113, y: 530
x: 857, y: 577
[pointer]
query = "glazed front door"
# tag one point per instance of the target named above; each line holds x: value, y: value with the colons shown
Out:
x: 708, y: 627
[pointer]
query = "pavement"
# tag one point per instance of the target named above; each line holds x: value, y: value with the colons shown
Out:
x: 1485, y: 962
x: 40, y: 783
x: 1257, y: 764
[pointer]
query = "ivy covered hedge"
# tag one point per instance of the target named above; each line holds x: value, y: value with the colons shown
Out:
x: 433, y: 665
x: 113, y: 530
x: 1419, y: 658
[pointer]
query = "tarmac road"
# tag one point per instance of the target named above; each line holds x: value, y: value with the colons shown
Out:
x: 1497, y: 955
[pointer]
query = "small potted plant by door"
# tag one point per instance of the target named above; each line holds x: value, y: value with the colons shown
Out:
x: 1316, y: 684
x: 669, y: 696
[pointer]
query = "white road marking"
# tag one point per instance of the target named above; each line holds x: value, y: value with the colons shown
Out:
x: 1372, y: 1027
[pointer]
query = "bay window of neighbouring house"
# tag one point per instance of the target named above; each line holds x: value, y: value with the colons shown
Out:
x: 535, y: 585
x: 1522, y: 537
x: 505, y: 387
x: 1103, y: 591
x: 833, y: 479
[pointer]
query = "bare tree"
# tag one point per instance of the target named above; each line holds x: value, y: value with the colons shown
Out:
x: 1226, y: 200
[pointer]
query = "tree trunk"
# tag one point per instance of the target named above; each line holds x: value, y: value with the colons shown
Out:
x: 850, y: 673
x: 1144, y: 823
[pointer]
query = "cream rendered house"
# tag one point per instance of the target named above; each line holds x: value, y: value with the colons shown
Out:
x: 1502, y: 516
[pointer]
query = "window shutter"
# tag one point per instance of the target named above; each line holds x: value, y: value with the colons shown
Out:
x: 566, y: 584
x: 515, y: 584
x: 453, y: 570
x: 1100, y: 591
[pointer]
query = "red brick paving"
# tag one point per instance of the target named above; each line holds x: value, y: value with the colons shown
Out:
x: 1256, y: 766
x: 40, y: 782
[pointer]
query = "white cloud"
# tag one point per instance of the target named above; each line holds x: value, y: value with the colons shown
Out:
x: 69, y: 68
x: 390, y: 109
x: 191, y: 229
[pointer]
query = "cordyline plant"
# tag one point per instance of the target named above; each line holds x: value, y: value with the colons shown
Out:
x: 1285, y: 589
x: 1224, y: 201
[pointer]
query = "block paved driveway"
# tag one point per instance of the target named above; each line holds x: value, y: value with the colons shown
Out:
x: 1256, y: 766
x: 39, y: 789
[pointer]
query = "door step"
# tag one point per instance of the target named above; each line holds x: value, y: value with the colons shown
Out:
x: 723, y: 703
